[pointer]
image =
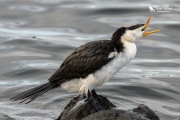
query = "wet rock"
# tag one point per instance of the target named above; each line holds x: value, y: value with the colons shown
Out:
x: 85, y: 111
x: 71, y: 112
x: 142, y: 112
x: 145, y: 111
x: 114, y: 115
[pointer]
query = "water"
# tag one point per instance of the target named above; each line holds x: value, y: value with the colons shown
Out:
x: 37, y: 35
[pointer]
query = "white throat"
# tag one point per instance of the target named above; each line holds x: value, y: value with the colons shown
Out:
x: 129, y: 49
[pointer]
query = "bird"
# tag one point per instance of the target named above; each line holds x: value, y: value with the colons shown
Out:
x: 92, y: 64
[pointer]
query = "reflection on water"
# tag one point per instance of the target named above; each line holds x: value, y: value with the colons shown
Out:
x: 37, y: 35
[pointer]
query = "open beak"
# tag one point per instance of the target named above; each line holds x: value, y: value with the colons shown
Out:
x: 146, y: 33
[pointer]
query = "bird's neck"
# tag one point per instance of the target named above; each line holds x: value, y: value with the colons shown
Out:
x: 118, y: 45
x: 129, y: 48
x: 122, y: 45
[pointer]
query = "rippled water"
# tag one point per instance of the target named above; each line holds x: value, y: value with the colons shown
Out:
x: 37, y: 35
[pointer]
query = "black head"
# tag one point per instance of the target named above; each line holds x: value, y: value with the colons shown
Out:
x: 132, y: 33
x: 129, y: 33
x: 118, y: 33
x: 133, y: 27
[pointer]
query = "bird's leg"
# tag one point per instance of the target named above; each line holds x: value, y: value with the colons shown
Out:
x: 94, y: 92
x: 96, y: 96
x: 102, y: 100
x: 97, y: 106
x: 84, y: 90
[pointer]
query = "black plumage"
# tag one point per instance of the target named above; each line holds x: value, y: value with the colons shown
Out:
x: 85, y: 60
x: 115, y: 40
x: 133, y: 27
x: 33, y: 93
x: 88, y: 58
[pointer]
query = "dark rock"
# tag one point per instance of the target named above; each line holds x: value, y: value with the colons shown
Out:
x: 142, y: 112
x: 145, y: 111
x: 114, y: 115
x: 85, y: 111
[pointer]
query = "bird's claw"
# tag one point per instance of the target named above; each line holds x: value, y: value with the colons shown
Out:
x: 95, y: 100
x: 97, y: 106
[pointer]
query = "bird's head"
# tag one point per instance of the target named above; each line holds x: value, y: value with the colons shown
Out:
x: 133, y: 33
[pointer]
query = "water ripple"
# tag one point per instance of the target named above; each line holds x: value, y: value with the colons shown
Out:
x: 29, y: 8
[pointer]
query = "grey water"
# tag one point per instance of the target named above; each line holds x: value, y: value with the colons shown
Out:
x: 37, y: 35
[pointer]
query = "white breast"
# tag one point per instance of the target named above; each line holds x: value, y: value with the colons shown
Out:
x: 107, y: 71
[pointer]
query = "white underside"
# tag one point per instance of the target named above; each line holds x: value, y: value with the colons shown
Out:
x: 104, y: 74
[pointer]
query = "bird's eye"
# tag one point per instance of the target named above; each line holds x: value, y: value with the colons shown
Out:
x: 142, y: 29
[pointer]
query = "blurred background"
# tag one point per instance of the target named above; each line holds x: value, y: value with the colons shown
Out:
x: 37, y: 35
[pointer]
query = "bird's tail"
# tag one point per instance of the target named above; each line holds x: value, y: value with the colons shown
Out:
x: 33, y: 93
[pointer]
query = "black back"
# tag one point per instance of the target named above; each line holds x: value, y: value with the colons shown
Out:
x: 85, y: 60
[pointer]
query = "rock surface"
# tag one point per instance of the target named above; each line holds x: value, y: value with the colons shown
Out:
x: 85, y: 111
